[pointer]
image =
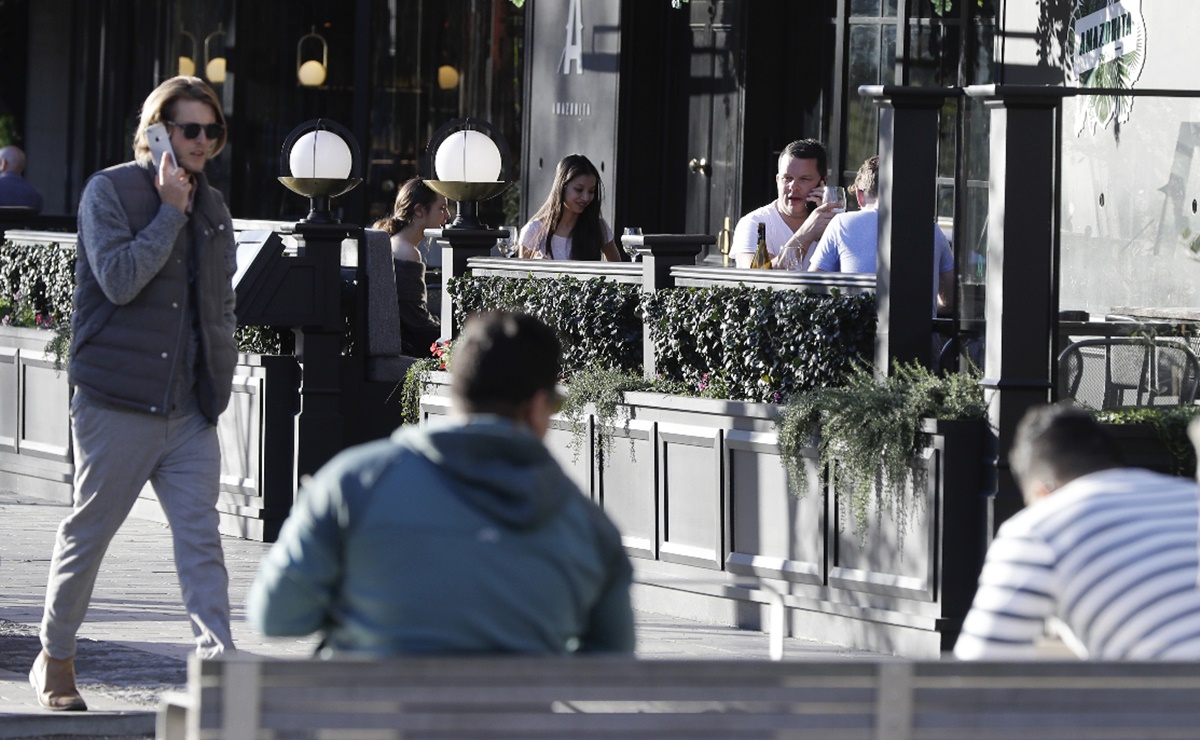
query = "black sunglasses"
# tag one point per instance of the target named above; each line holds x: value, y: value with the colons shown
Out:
x: 192, y: 130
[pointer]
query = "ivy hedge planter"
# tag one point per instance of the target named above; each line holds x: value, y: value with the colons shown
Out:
x: 716, y: 533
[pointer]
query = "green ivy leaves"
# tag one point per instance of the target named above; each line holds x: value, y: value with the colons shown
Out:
x: 868, y: 436
x: 758, y: 344
x: 598, y: 321
x: 36, y: 283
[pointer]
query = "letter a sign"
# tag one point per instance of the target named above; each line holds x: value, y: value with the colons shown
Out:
x: 573, y: 49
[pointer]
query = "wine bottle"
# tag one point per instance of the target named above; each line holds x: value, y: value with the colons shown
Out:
x: 762, y: 258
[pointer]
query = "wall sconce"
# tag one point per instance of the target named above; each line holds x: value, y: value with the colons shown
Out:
x: 324, y: 159
x: 469, y: 158
x: 447, y: 77
x: 214, y: 67
x: 312, y: 72
x: 187, y: 63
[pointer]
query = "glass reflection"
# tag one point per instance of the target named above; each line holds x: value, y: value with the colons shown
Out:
x: 1129, y: 224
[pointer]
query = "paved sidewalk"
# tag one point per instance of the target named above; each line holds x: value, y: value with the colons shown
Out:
x: 135, y: 641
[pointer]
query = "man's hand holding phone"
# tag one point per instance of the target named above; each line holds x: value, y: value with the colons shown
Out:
x: 174, y: 183
x: 819, y: 216
x: 815, y: 197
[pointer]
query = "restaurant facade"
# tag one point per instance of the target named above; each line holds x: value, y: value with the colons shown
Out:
x: 682, y: 105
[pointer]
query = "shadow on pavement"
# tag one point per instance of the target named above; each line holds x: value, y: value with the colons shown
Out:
x: 118, y: 671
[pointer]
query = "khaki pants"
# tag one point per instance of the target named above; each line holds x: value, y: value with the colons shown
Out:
x: 117, y: 451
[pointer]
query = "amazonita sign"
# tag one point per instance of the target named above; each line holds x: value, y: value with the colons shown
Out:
x: 1108, y: 50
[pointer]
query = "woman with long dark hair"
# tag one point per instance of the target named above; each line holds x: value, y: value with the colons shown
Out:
x: 568, y: 226
x: 417, y: 208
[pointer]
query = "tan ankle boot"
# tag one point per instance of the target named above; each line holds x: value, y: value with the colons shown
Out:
x: 54, y: 682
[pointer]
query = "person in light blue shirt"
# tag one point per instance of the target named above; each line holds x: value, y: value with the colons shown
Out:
x: 851, y: 242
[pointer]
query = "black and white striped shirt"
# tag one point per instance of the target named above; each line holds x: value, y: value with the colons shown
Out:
x: 1112, y: 555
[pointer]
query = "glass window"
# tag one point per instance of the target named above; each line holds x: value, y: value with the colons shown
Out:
x: 865, y: 8
x: 862, y: 118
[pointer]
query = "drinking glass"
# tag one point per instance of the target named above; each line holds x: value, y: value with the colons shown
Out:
x: 631, y: 249
x: 506, y: 244
x: 835, y: 194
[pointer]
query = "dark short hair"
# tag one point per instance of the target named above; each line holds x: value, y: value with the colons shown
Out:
x: 1057, y: 444
x: 501, y: 360
x: 807, y: 149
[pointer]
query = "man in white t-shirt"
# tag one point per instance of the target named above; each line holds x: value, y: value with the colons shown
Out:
x: 792, y: 230
x: 851, y: 243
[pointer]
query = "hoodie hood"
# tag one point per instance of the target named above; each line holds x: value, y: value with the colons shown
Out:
x: 494, y: 464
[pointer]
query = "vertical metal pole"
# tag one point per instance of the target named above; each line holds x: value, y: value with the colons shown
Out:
x: 908, y: 141
x: 458, y: 246
x: 1022, y: 277
x: 319, y: 425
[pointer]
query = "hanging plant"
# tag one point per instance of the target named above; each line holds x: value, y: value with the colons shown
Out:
x: 604, y: 390
x: 868, y: 436
x: 417, y: 378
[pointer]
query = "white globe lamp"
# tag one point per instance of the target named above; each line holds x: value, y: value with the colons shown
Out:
x: 321, y: 154
x: 468, y: 161
x: 321, y: 159
x: 468, y: 156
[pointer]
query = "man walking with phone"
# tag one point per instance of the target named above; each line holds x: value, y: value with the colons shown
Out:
x: 152, y: 359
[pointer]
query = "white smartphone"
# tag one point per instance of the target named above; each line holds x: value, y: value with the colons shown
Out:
x: 160, y: 143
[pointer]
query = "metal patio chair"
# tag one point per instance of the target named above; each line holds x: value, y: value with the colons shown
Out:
x: 1128, y: 372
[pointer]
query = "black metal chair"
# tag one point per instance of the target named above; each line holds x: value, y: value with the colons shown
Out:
x: 1129, y: 372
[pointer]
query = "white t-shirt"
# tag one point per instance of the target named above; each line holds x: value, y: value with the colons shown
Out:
x: 531, y: 238
x: 745, y: 234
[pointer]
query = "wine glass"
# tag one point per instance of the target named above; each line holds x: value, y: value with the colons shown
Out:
x: 631, y: 249
x: 836, y: 195
x: 506, y: 245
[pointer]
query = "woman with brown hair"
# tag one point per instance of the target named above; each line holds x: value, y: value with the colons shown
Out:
x: 569, y: 226
x: 417, y: 208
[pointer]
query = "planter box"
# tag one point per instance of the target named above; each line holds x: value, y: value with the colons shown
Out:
x: 257, y: 436
x: 702, y: 499
x: 257, y: 433
x: 1141, y: 447
x: 35, y: 423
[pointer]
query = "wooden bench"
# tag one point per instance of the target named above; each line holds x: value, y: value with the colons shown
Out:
x: 526, y: 697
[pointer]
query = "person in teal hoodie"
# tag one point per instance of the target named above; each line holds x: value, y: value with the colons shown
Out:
x: 464, y: 536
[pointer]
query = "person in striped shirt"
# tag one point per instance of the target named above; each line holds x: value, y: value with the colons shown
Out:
x: 1106, y: 554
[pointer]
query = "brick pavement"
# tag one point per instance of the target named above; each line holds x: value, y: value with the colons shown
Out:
x: 135, y: 641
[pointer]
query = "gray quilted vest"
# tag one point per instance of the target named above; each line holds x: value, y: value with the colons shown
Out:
x: 131, y: 355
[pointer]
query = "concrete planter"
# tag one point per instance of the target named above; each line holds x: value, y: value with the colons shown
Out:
x: 702, y: 499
